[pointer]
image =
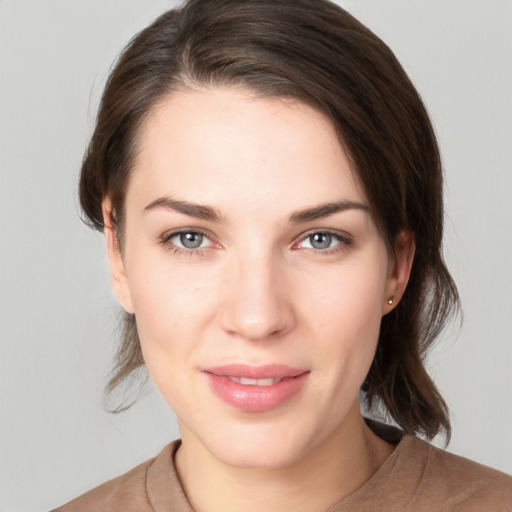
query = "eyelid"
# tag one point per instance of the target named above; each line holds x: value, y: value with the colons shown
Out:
x: 165, y: 238
x: 344, y: 238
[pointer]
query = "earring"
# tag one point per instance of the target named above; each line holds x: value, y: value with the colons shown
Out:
x: 390, y: 301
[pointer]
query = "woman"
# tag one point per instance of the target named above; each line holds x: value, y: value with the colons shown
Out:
x: 270, y: 190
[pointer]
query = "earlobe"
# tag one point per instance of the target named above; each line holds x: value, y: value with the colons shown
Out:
x: 118, y: 278
x: 400, y: 270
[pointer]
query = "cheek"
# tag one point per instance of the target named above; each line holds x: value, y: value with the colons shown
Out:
x: 352, y: 295
x: 173, y: 303
x: 170, y: 309
x: 345, y: 313
x: 168, y: 302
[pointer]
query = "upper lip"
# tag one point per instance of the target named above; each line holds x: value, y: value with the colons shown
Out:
x: 269, y: 371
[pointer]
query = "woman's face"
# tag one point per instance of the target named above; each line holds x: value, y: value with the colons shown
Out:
x: 256, y: 274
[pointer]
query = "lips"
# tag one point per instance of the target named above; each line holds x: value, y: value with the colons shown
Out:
x: 256, y: 388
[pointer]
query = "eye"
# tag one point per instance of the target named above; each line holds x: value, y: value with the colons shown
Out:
x: 323, y: 241
x: 187, y: 240
x: 320, y: 241
x: 191, y: 240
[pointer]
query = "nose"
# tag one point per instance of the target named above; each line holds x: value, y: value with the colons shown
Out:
x: 257, y: 303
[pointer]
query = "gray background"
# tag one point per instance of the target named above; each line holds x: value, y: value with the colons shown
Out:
x: 57, y: 310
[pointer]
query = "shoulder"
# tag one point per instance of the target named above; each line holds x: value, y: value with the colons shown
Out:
x: 456, y: 482
x: 126, y: 493
x: 420, y: 477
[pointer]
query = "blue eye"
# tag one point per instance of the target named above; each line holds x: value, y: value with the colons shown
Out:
x: 191, y: 240
x: 188, y: 240
x: 323, y: 240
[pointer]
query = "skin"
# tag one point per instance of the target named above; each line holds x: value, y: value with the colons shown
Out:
x: 257, y: 291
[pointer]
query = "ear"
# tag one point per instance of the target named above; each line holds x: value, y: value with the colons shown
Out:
x: 399, y: 270
x: 118, y: 278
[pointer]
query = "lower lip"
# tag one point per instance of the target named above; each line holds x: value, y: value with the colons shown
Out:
x: 256, y: 398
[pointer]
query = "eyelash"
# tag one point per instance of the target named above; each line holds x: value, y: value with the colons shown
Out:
x: 182, y: 251
x: 344, y: 241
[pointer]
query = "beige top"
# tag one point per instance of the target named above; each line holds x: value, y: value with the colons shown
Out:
x: 415, y: 477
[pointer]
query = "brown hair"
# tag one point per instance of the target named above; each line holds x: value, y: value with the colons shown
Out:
x: 313, y: 51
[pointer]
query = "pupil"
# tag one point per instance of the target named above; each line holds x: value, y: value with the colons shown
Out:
x: 321, y: 240
x: 191, y: 240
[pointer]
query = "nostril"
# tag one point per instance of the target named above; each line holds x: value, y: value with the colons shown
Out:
x: 254, y: 325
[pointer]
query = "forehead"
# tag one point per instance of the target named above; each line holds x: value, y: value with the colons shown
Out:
x: 227, y: 147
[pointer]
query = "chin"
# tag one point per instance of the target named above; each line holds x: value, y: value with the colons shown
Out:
x: 260, y: 446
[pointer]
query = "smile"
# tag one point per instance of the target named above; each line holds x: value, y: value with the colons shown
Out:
x: 256, y: 388
x: 254, y: 382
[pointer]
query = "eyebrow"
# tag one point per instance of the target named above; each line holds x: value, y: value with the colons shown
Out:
x: 192, y: 209
x: 204, y: 212
x: 324, y: 210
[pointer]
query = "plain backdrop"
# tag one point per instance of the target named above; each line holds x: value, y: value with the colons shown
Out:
x: 58, y: 315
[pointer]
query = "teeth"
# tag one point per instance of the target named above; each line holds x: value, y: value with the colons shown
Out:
x: 254, y: 382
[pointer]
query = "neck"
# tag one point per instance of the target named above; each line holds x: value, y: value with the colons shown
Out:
x: 328, y: 473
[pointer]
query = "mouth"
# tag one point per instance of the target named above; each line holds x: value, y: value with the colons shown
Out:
x: 256, y: 388
x: 253, y: 382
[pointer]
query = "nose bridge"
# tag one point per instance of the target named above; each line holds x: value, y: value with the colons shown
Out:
x: 256, y: 304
